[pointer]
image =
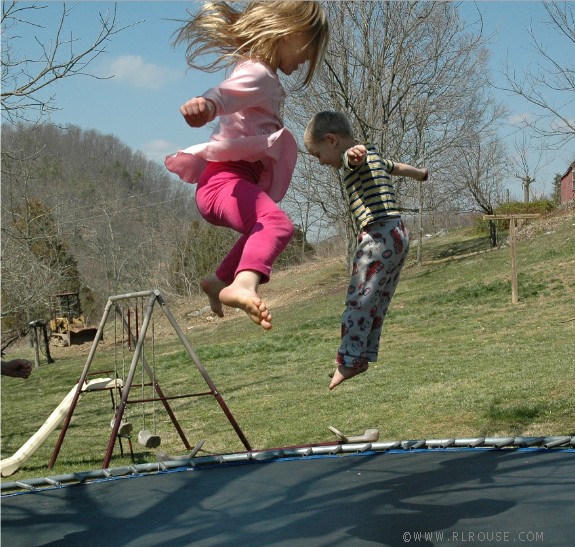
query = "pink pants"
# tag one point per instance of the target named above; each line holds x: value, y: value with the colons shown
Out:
x: 227, y: 195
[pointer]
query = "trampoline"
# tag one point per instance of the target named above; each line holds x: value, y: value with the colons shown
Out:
x: 445, y: 492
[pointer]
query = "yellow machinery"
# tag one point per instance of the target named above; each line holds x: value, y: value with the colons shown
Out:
x: 68, y: 325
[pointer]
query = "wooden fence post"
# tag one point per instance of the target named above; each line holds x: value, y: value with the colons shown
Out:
x: 512, y: 219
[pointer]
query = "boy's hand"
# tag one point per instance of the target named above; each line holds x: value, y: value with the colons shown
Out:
x: 425, y: 175
x: 356, y: 154
x: 198, y: 111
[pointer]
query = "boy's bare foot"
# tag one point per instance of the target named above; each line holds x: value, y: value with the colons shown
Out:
x: 249, y: 301
x: 343, y: 373
x: 212, y: 286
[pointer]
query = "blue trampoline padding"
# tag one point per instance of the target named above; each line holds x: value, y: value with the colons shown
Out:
x: 428, y: 497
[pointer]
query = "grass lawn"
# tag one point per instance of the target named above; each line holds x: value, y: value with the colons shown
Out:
x: 457, y: 359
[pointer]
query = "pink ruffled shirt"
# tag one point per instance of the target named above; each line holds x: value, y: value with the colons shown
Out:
x: 249, y: 105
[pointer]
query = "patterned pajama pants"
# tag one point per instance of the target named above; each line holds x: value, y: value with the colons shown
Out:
x: 379, y: 257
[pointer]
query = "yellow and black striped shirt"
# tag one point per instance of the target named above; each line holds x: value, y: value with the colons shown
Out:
x: 369, y: 188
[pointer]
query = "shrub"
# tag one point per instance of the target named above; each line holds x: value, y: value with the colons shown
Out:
x: 541, y: 206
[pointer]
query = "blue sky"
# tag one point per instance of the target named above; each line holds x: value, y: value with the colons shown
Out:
x: 140, y: 104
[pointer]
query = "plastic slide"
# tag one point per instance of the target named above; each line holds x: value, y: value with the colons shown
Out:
x: 10, y: 465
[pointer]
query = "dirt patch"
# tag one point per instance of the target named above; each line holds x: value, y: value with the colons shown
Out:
x: 547, y: 223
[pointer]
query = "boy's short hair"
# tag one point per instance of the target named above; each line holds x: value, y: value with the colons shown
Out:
x: 327, y: 122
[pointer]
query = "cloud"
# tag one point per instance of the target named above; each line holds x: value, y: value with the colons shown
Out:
x: 133, y: 70
x: 563, y: 126
x: 158, y: 149
x: 525, y: 118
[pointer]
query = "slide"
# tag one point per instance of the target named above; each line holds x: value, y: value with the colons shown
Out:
x: 12, y: 464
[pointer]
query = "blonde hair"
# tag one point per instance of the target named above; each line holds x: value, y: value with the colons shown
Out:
x: 327, y: 122
x: 253, y: 32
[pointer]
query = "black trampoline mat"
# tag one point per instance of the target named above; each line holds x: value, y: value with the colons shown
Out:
x: 431, y: 497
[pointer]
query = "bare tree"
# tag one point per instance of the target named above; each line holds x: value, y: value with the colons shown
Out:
x: 412, y: 79
x: 477, y: 175
x: 550, y: 84
x: 28, y: 72
x: 36, y: 263
x: 26, y: 76
x: 525, y: 166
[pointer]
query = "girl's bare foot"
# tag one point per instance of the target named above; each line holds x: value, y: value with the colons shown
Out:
x: 343, y: 373
x: 249, y: 301
x: 212, y: 286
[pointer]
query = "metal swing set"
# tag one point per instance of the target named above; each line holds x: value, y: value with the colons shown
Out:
x: 136, y: 339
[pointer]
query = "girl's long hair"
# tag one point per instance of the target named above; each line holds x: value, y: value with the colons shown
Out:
x: 253, y: 32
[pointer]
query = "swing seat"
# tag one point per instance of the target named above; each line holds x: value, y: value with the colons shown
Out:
x: 148, y: 439
x: 125, y: 428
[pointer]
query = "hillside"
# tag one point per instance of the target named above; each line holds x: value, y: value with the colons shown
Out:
x: 83, y: 212
x: 458, y: 359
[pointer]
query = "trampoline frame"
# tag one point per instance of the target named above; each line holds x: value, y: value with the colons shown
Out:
x: 554, y: 443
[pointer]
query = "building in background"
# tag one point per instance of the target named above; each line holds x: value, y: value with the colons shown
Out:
x: 568, y: 185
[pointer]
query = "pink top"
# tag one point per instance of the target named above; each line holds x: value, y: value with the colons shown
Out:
x: 250, y: 107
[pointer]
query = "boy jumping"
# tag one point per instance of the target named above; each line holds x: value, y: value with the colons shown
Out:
x: 383, y: 241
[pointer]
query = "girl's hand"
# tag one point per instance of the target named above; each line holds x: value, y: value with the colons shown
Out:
x: 356, y: 154
x: 198, y: 111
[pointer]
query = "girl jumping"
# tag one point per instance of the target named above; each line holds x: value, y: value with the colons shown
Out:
x: 246, y: 167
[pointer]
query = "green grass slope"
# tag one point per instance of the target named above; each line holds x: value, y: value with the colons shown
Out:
x: 457, y: 359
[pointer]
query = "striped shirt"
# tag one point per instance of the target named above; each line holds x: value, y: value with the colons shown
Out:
x: 369, y: 189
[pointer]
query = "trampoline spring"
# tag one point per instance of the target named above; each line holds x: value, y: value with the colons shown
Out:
x: 81, y: 477
x: 552, y: 442
x: 528, y: 441
x: 353, y: 448
x: 470, y: 443
x: 322, y: 450
x: 385, y: 446
x: 265, y: 455
x: 237, y: 457
x: 440, y: 443
x: 292, y: 452
x: 500, y: 442
x: 209, y: 460
x: 413, y: 445
x: 24, y: 485
x: 116, y: 471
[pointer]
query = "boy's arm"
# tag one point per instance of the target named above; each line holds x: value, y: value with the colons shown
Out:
x: 406, y: 170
